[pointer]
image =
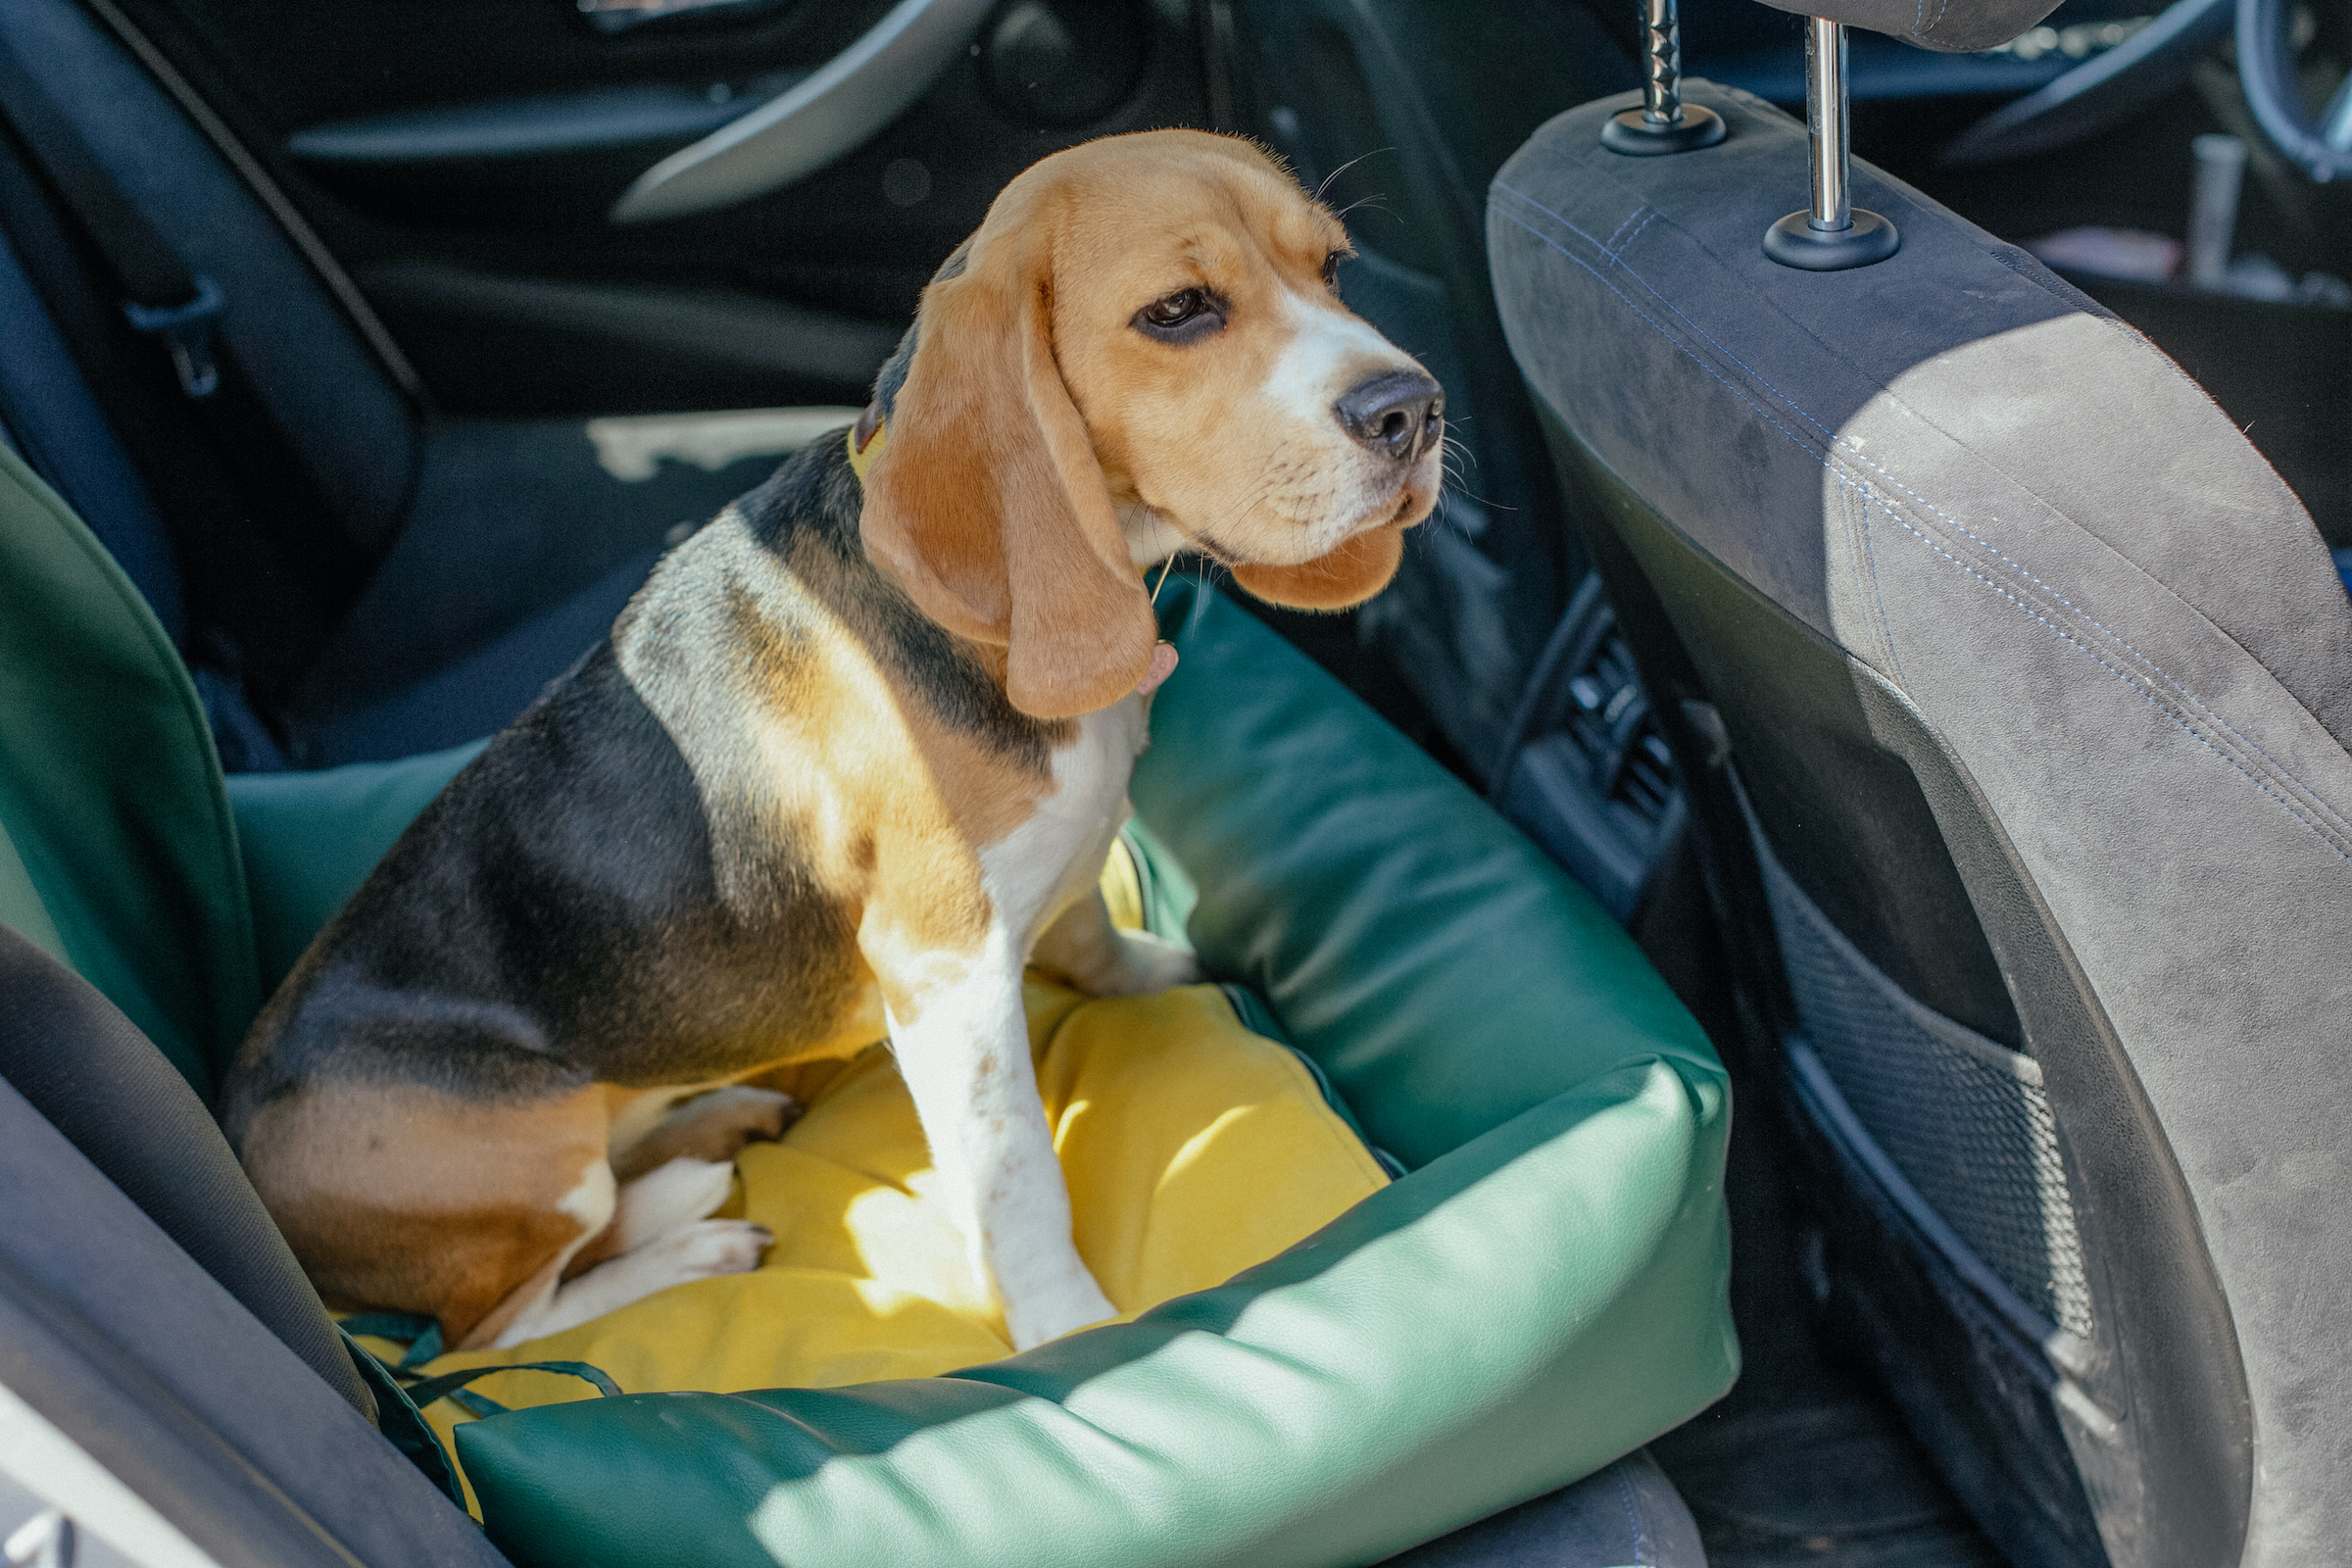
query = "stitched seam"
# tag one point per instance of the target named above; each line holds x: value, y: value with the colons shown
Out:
x: 2311, y: 797
x: 1633, y: 1520
x: 2146, y: 696
x: 2305, y: 792
x: 2319, y: 807
x: 1877, y: 615
x: 1630, y: 238
x: 1621, y: 222
x: 2325, y: 837
x: 1870, y: 554
x: 2088, y: 620
x: 1908, y: 526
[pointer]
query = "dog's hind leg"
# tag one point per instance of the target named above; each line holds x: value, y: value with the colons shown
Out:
x: 669, y: 1198
x: 658, y: 1226
x: 700, y: 1251
x: 712, y: 1126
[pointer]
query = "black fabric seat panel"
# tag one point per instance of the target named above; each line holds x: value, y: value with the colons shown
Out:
x: 356, y: 435
x: 60, y: 429
x: 519, y: 552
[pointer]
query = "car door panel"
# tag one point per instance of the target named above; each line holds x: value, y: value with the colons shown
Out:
x: 462, y: 159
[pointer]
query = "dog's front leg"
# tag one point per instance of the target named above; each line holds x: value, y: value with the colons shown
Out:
x: 963, y: 1049
x: 1084, y: 948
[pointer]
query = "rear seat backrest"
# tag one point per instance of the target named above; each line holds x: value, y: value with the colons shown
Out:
x: 57, y: 427
x: 359, y: 438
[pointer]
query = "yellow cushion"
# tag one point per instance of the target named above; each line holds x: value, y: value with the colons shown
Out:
x: 1194, y: 1149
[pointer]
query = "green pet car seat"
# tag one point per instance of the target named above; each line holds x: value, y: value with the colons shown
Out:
x: 1544, y: 1292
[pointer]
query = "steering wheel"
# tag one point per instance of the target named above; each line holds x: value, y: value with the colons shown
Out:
x: 2118, y: 82
x: 2266, y: 66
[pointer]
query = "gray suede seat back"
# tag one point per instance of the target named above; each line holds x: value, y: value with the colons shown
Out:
x: 1936, y: 24
x: 2013, y: 690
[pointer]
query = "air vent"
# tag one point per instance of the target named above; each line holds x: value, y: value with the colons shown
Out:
x: 1612, y: 726
x: 1588, y: 774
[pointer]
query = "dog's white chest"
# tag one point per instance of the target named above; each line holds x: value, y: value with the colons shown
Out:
x: 1038, y: 867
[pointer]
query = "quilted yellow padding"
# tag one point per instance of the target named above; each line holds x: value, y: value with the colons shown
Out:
x: 1194, y: 1149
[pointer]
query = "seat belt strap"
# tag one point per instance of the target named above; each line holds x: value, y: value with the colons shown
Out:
x: 400, y: 1405
x: 162, y: 296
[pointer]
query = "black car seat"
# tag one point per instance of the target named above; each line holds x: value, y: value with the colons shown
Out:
x: 2013, y: 691
x: 320, y: 543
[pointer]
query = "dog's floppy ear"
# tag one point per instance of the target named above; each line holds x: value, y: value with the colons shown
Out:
x: 987, y: 499
x: 1348, y: 575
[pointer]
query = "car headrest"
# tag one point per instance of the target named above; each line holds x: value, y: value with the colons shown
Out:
x: 1954, y: 27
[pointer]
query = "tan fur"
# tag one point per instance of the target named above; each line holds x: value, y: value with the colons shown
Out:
x: 1348, y: 575
x: 890, y: 806
x: 405, y: 1199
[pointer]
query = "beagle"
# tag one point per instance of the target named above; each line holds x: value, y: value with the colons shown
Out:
x: 852, y: 754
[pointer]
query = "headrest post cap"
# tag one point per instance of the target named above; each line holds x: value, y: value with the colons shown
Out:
x: 1664, y: 123
x: 1831, y: 235
x: 1636, y: 136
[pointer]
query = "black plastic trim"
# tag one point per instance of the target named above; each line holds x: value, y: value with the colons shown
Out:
x: 643, y: 115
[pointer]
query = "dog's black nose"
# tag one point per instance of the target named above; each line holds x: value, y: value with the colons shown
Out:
x: 1398, y: 414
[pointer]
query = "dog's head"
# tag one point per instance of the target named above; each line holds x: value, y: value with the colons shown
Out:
x: 1140, y: 351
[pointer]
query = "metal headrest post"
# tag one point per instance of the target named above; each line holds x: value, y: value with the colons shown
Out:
x: 1664, y: 123
x: 1833, y: 235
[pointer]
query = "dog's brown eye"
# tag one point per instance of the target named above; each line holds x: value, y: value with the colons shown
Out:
x: 1176, y: 309
x: 1182, y: 316
x: 1331, y: 268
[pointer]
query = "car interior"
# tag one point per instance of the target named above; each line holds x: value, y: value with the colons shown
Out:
x: 1893, y: 677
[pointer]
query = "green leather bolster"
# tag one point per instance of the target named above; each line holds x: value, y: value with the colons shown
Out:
x: 1442, y: 969
x: 1513, y: 1316
x: 310, y: 839
x: 116, y: 853
x: 1546, y: 1292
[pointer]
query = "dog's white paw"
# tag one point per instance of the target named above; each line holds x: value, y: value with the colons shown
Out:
x: 1044, y: 1315
x: 712, y: 1127
x: 1147, y: 964
x: 703, y: 1249
x: 675, y: 1195
x: 738, y: 1112
x: 700, y: 1251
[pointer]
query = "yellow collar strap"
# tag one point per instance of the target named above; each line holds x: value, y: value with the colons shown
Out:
x: 867, y: 438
